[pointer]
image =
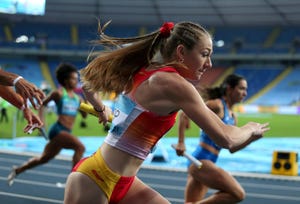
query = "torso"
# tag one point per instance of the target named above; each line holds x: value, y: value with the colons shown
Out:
x: 135, y: 130
x: 206, y: 142
x: 67, y: 109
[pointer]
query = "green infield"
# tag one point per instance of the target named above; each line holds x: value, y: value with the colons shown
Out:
x: 281, y: 125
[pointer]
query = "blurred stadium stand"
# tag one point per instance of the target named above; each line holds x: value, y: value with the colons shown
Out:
x: 265, y: 51
x: 28, y: 68
x: 55, y: 41
x: 285, y: 92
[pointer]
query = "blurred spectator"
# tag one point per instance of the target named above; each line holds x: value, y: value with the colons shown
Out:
x: 3, y: 105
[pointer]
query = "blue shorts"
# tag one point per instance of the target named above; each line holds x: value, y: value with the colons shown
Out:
x: 55, y: 129
x: 201, y: 153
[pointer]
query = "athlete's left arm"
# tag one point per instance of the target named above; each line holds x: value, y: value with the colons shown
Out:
x: 82, y: 113
x: 237, y: 148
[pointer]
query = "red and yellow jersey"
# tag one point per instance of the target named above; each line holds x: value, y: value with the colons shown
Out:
x: 134, y: 129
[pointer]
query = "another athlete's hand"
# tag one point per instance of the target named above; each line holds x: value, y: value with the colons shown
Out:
x: 29, y: 91
x: 180, y: 149
x: 32, y: 119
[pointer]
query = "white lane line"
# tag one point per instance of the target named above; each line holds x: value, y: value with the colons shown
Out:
x: 152, y: 167
x: 249, y: 184
x: 161, y: 177
x: 265, y: 176
x: 254, y: 195
x: 34, y: 154
x: 272, y: 196
x: 271, y: 186
x: 31, y: 182
x: 30, y: 197
x: 19, y: 161
x: 42, y: 173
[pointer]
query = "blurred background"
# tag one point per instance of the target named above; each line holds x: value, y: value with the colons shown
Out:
x: 257, y: 39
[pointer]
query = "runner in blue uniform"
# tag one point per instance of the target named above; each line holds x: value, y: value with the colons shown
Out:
x: 59, y: 134
x: 221, y: 101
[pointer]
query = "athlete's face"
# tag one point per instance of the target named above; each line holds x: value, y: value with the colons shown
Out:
x: 73, y: 80
x: 198, y: 60
x: 239, y: 92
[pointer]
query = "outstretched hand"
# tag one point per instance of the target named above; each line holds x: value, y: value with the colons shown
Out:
x: 29, y: 91
x: 258, y: 129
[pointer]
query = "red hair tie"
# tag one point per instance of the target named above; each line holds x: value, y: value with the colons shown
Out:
x: 165, y: 30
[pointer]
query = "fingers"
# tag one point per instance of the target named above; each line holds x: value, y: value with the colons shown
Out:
x: 27, y: 128
x: 259, y: 129
x: 32, y: 102
x: 179, y: 152
x: 105, y: 117
x: 30, y: 128
x: 39, y: 97
x: 34, y: 123
x: 28, y: 116
x: 103, y: 121
x: 265, y: 127
x: 36, y: 98
x: 179, y: 149
x: 30, y: 92
x: 36, y: 120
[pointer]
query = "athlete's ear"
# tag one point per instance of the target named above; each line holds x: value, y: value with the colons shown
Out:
x: 180, y: 52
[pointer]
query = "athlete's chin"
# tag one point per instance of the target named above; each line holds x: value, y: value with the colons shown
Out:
x: 198, y: 77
